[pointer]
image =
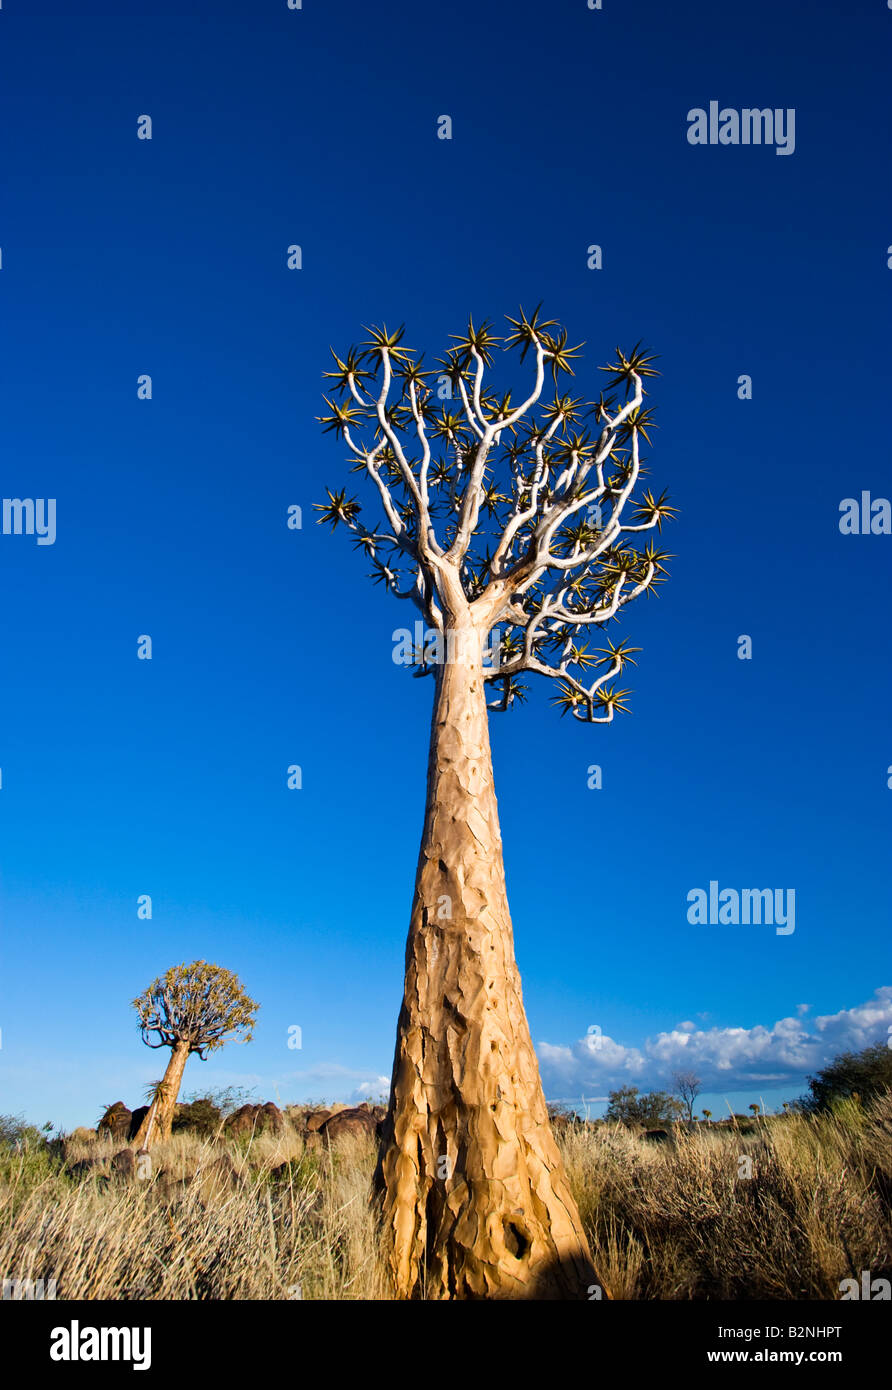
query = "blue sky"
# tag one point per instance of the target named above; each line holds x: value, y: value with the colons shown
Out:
x: 123, y: 777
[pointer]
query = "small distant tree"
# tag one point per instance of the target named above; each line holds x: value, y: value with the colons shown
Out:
x: 867, y: 1073
x: 192, y: 1008
x: 628, y: 1106
x: 688, y: 1086
x: 707, y: 1115
x: 754, y: 1108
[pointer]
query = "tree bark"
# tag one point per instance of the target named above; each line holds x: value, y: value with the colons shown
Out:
x: 158, y: 1121
x: 474, y: 1196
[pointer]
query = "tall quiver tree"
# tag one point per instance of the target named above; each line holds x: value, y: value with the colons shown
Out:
x: 192, y: 1008
x: 522, y: 522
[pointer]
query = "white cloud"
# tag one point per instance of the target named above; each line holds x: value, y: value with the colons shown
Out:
x: 331, y: 1081
x: 727, y: 1058
x: 372, y: 1090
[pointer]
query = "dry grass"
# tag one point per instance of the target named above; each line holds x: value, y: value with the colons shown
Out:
x: 682, y: 1220
x: 196, y: 1229
x: 670, y: 1221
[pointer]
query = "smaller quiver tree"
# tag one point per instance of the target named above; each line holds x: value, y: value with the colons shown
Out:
x: 192, y: 1008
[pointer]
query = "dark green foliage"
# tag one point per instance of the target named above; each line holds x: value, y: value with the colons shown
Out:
x: 201, y: 1117
x: 863, y: 1074
x: 629, y: 1107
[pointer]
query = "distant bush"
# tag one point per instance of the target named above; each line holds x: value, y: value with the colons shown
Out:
x: 629, y: 1107
x: 227, y: 1099
x: 201, y: 1117
x: 863, y: 1075
x: 15, y: 1133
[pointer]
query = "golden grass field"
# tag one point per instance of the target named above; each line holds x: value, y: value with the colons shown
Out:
x: 673, y: 1220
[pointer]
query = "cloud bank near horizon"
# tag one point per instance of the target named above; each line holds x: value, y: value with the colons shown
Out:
x: 725, y: 1059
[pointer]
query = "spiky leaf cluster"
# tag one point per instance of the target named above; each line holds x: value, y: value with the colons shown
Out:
x: 529, y: 496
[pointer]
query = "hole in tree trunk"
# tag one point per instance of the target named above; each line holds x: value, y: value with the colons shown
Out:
x: 516, y: 1242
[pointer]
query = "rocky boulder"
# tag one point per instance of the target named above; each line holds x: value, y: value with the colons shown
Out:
x: 88, y: 1168
x: 252, y: 1120
x: 116, y: 1121
x: 275, y: 1120
x: 123, y: 1165
x: 356, y: 1123
x: 136, y: 1120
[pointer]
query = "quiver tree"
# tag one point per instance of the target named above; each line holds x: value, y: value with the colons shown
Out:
x: 192, y: 1008
x: 519, y: 522
x: 688, y: 1086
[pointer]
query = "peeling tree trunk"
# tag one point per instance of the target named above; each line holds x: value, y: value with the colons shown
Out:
x: 475, y: 1199
x: 158, y: 1121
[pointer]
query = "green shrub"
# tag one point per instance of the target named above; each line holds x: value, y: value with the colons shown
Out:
x: 864, y: 1075
x: 15, y: 1133
x: 201, y: 1117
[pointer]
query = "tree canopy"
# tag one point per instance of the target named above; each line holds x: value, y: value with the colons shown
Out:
x: 529, y: 505
x: 199, y: 1004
